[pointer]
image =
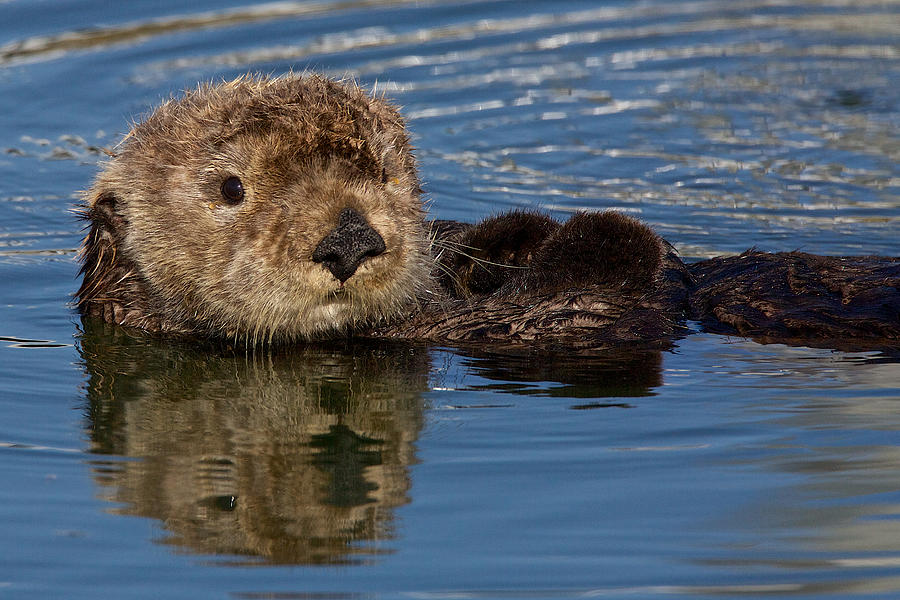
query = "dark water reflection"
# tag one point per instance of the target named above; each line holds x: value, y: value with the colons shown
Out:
x: 627, y: 372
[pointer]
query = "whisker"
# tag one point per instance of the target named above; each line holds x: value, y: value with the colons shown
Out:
x: 445, y: 245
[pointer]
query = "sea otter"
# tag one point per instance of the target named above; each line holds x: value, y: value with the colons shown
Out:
x: 285, y: 209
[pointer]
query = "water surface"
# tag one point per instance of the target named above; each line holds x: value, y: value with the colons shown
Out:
x: 135, y: 468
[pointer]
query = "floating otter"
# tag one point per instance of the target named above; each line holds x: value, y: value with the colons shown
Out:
x: 275, y: 210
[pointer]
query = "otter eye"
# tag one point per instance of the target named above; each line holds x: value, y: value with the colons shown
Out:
x: 233, y: 190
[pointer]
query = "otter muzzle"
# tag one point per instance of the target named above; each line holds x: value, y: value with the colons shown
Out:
x: 348, y: 245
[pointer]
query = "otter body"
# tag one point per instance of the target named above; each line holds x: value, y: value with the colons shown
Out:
x: 289, y: 209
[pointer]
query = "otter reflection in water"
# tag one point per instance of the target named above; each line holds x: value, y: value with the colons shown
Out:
x: 289, y: 209
x: 297, y: 458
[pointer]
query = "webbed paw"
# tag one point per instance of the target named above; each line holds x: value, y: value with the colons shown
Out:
x: 591, y: 248
x: 494, y: 252
x: 525, y: 253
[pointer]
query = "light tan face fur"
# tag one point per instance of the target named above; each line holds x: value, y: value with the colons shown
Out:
x: 304, y: 149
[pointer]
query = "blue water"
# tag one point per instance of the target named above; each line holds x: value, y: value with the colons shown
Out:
x: 133, y: 468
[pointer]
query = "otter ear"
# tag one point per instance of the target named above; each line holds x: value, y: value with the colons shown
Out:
x: 102, y: 211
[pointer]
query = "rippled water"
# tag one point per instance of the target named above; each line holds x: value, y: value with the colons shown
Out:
x: 723, y: 468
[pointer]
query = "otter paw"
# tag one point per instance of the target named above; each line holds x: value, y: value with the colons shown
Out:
x: 494, y: 252
x: 590, y: 249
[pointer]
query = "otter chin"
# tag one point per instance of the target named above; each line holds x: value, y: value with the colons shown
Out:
x: 284, y: 209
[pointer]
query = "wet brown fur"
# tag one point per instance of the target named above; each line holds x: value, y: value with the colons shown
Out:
x: 165, y: 253
x: 801, y: 298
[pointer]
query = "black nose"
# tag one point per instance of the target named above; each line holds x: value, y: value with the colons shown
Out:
x: 348, y: 245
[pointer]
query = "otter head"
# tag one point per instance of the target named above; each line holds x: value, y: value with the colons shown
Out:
x: 260, y: 208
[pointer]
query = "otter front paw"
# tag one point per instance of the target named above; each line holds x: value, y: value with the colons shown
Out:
x: 494, y: 252
x: 590, y: 249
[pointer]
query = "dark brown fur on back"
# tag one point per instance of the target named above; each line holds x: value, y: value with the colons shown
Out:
x: 794, y: 296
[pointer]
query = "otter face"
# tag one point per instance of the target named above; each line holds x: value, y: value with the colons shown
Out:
x: 261, y: 208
